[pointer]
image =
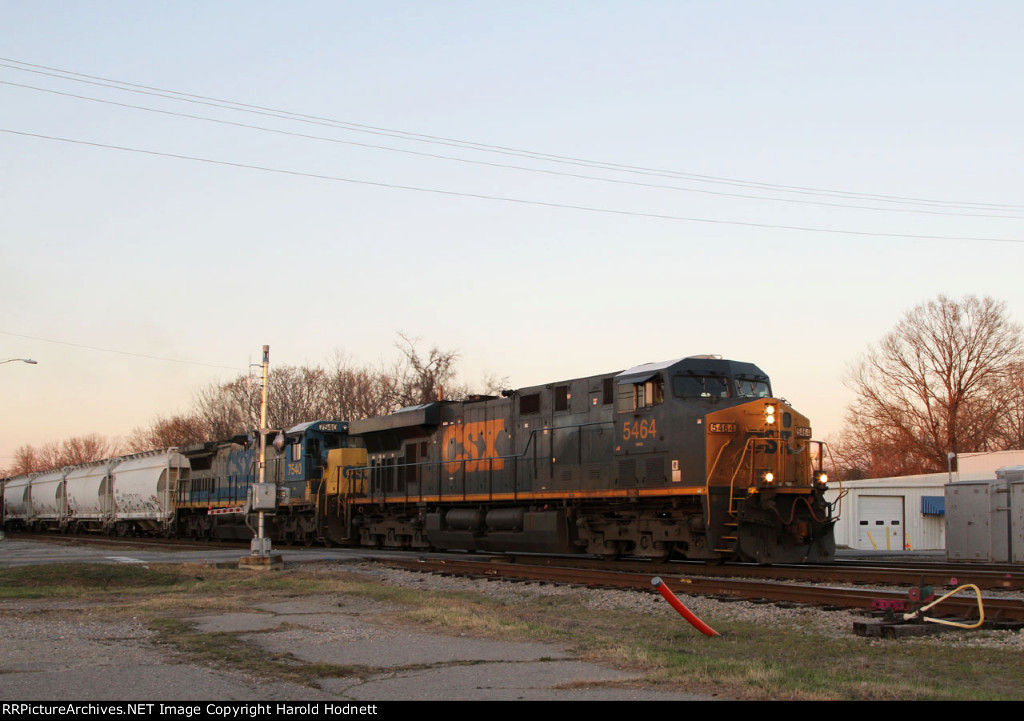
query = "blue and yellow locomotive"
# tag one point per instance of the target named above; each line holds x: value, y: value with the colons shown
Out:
x: 213, y: 501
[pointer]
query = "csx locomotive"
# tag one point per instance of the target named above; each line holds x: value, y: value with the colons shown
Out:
x: 691, y: 458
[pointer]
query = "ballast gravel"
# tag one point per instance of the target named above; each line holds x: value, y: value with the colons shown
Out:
x: 830, y: 624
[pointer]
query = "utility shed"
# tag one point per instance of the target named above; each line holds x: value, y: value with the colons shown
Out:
x: 891, y: 514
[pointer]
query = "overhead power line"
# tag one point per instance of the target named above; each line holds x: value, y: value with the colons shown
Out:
x: 505, y: 199
x: 486, y: 163
x: 119, y: 352
x: 482, y: 147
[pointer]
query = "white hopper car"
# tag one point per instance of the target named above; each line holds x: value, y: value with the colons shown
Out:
x: 118, y: 496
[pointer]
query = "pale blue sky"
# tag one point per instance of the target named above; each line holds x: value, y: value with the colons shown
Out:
x: 194, y: 261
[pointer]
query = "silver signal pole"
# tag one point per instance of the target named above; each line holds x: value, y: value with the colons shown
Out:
x: 263, y: 495
x: 262, y: 544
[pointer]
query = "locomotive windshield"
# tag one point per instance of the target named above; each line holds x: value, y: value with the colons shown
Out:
x: 751, y: 388
x: 695, y: 386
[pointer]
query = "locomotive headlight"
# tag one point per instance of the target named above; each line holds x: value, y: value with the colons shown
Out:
x: 769, y: 414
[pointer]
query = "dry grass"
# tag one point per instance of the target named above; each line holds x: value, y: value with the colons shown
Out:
x: 747, y: 661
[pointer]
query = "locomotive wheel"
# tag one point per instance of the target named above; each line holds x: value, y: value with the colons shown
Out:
x: 665, y: 555
x: 612, y: 554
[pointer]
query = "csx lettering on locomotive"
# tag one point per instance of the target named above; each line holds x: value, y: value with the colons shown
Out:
x: 472, y: 446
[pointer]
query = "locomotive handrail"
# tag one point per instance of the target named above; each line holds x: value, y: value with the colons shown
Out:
x: 839, y: 480
x: 714, y: 466
x: 373, y: 495
x: 777, y: 463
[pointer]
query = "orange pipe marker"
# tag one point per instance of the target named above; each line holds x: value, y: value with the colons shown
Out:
x: 686, y: 613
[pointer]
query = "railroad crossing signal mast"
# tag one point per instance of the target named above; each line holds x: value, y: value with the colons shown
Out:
x: 260, y: 543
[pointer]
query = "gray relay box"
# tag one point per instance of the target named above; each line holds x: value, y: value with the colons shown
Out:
x: 264, y: 496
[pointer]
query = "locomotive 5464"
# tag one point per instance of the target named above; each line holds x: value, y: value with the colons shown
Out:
x: 692, y: 457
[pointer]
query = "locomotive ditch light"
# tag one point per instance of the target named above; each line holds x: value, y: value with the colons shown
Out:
x: 767, y: 478
x: 821, y: 479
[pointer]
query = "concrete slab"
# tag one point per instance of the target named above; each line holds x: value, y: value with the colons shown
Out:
x: 353, y: 642
x: 534, y: 681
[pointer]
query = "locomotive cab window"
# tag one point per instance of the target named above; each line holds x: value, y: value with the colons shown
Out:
x: 752, y: 388
x: 644, y: 394
x: 695, y: 386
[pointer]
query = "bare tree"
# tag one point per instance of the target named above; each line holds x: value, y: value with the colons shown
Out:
x: 69, y: 452
x: 220, y: 409
x: 26, y: 460
x: 937, y: 383
x: 356, y: 392
x: 169, y: 432
x: 425, y: 379
x: 1010, y: 430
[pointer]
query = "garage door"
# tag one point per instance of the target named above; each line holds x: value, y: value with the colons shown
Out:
x: 880, y: 523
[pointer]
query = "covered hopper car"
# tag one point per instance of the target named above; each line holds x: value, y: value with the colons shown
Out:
x: 118, y: 496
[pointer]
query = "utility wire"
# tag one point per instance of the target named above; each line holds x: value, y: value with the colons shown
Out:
x: 357, y: 127
x: 504, y: 199
x: 118, y: 352
x: 501, y: 165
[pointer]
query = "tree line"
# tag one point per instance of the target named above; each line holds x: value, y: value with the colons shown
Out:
x: 341, y: 390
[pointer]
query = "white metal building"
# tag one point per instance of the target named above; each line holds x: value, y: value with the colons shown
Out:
x: 892, y: 514
x: 907, y: 512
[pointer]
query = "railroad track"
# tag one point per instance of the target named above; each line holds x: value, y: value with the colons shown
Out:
x: 939, y: 576
x: 962, y: 607
x: 176, y: 544
x: 936, y: 575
